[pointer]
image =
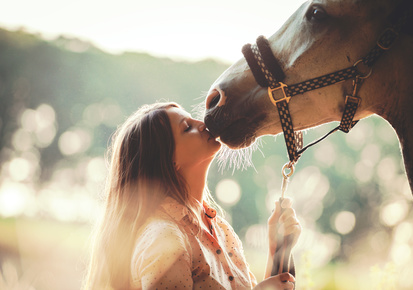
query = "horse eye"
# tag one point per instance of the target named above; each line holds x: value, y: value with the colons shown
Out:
x: 317, y: 13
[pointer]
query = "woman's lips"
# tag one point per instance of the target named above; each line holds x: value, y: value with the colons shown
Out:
x: 210, y: 136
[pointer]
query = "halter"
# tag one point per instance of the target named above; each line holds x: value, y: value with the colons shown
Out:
x: 268, y: 73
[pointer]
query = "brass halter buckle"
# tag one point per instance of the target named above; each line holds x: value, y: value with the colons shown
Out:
x: 284, y: 97
x: 389, y: 32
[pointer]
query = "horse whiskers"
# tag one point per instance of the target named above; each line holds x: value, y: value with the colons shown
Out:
x: 237, y: 158
x: 198, y: 110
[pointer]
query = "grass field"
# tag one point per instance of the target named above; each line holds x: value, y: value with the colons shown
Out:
x: 47, y: 255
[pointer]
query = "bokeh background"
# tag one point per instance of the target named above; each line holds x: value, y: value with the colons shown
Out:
x: 64, y: 90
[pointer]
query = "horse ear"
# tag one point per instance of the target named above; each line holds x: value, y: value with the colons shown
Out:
x: 255, y: 68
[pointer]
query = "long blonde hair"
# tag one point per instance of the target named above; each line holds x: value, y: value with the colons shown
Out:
x: 141, y: 175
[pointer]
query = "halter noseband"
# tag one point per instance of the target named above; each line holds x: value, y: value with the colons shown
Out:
x: 268, y: 73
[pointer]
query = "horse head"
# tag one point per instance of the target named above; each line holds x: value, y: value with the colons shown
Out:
x: 319, y: 38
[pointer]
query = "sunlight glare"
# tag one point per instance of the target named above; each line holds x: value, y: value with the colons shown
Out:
x: 256, y: 236
x: 386, y: 169
x: 22, y: 140
x: 357, y: 138
x: 393, y: 213
x: 403, y: 232
x: 363, y: 171
x: 404, y: 187
x: 112, y: 115
x: 310, y: 183
x: 344, y: 164
x: 45, y: 116
x: 386, y: 133
x: 405, y: 278
x: 400, y: 253
x: 45, y: 136
x: 344, y: 222
x: 325, y: 245
x: 228, y: 191
x: 325, y: 153
x: 58, y: 204
x: 371, y: 154
x: 28, y: 120
x: 107, y: 112
x: 13, y: 199
x: 19, y: 169
x: 379, y: 241
x: 74, y: 141
x: 93, y: 114
x: 96, y: 169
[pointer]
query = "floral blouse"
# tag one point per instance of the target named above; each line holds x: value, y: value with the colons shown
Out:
x: 171, y: 253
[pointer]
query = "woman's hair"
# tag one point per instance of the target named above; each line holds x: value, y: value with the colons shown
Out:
x: 141, y: 175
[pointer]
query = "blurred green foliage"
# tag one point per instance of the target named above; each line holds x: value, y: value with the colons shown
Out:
x: 360, y: 175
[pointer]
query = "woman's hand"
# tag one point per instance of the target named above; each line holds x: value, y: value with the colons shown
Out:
x: 278, y: 282
x: 283, y: 224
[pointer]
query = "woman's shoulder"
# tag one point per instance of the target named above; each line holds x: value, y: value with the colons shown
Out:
x: 160, y: 227
x: 160, y: 242
x: 160, y: 237
x: 223, y: 223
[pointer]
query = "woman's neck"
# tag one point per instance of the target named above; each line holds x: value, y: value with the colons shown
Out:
x: 195, y: 178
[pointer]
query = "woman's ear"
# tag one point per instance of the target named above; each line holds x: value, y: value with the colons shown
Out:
x: 177, y: 167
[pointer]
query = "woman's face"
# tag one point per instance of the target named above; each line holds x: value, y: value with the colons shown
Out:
x: 193, y: 143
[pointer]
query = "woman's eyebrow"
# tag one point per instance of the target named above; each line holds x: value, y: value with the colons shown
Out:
x: 182, y: 120
x: 188, y: 116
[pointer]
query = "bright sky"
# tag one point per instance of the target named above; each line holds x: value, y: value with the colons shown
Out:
x: 183, y: 29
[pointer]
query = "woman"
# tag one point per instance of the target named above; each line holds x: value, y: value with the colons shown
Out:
x: 159, y: 229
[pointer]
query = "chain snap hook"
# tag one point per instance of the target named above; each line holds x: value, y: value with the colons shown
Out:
x: 286, y: 175
x: 287, y: 166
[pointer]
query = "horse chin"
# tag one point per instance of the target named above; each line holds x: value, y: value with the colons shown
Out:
x: 237, y: 143
x: 236, y: 135
x: 235, y: 131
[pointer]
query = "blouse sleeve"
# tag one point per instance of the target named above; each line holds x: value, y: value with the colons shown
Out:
x: 162, y: 258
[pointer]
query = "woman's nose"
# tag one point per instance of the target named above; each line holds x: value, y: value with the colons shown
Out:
x: 202, y: 126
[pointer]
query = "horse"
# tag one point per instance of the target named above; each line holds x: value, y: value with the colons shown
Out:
x: 321, y: 37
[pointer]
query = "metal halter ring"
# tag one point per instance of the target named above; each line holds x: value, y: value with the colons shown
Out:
x: 365, y: 76
x: 288, y: 165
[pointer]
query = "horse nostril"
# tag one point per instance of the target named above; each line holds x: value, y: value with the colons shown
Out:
x: 213, y: 100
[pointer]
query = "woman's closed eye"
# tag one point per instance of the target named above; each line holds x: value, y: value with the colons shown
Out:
x: 187, y: 129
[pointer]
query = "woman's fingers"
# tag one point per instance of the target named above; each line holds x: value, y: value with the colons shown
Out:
x: 292, y: 230
x: 283, y: 221
x: 289, y: 225
x: 275, y: 215
x: 286, y: 277
x: 287, y: 213
x: 287, y: 202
